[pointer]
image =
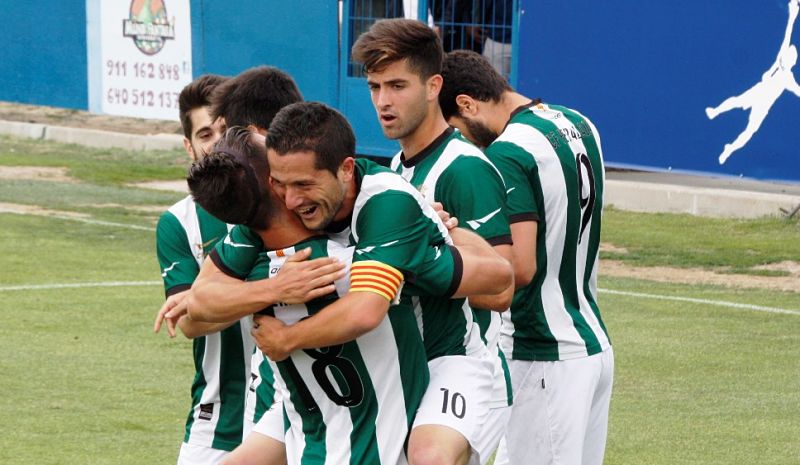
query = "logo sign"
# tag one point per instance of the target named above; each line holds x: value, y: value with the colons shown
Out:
x: 148, y: 26
x: 140, y: 56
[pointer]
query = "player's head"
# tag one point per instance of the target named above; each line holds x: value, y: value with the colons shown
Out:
x: 469, y: 80
x: 311, y: 149
x: 403, y: 62
x: 200, y: 129
x: 231, y: 181
x: 252, y: 98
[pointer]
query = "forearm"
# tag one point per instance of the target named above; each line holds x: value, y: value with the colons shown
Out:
x: 192, y: 328
x: 215, y: 299
x: 344, y: 320
x: 485, y: 271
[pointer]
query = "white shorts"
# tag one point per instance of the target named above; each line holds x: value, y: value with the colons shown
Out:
x: 492, y: 431
x: 192, y: 454
x: 560, y: 411
x: 457, y: 396
x: 271, y: 423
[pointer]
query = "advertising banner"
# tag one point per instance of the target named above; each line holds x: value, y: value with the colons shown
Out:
x: 705, y: 87
x: 142, y: 57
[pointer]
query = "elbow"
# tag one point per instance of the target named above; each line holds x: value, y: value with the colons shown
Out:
x: 505, y: 278
x: 524, y: 276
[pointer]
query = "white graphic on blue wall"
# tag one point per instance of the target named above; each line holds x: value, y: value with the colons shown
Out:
x: 760, y: 98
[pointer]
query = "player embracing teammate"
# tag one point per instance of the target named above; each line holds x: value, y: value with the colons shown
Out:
x: 395, y: 351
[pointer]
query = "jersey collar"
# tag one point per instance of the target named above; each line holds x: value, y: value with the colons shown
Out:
x: 427, y: 150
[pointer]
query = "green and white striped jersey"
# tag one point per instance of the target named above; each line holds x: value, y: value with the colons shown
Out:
x: 349, y: 403
x: 454, y: 172
x: 222, y: 360
x: 394, y: 224
x: 551, y: 160
x: 263, y: 383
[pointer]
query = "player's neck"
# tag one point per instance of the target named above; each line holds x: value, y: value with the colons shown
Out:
x: 509, y: 102
x: 285, y: 230
x: 432, y: 126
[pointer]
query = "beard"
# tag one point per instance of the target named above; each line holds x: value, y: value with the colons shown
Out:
x: 483, y: 136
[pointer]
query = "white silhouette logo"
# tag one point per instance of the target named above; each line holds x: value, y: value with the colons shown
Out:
x: 760, y: 98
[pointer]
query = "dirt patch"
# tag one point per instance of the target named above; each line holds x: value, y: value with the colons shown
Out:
x: 35, y: 210
x: 667, y: 274
x: 175, y: 186
x: 38, y: 173
x: 83, y: 119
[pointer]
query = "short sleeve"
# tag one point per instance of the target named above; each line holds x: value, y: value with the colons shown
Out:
x: 237, y: 254
x: 519, y: 170
x: 472, y: 190
x: 178, y: 265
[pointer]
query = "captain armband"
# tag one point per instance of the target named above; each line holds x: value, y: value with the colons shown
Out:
x: 379, y: 278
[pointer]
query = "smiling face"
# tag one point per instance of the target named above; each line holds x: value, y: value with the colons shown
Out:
x: 400, y: 97
x: 205, y: 133
x: 315, y: 195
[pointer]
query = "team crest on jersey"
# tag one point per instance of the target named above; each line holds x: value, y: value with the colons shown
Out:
x: 148, y: 25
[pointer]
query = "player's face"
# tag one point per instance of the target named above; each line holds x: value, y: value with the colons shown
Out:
x: 400, y: 99
x: 314, y: 195
x: 474, y: 130
x: 205, y: 133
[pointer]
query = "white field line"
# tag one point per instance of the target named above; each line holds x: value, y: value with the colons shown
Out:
x: 37, y: 287
x: 720, y: 303
x: 103, y: 223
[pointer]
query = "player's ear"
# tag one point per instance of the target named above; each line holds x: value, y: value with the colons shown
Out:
x: 347, y: 169
x: 467, y: 105
x: 434, y: 85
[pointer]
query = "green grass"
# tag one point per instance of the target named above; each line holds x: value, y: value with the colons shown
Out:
x: 86, y: 382
x: 662, y: 239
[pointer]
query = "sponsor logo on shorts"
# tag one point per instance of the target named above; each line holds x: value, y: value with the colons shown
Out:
x: 206, y: 412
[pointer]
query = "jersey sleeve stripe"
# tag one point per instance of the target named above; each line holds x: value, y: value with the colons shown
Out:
x: 520, y: 217
x: 377, y: 277
x: 378, y: 267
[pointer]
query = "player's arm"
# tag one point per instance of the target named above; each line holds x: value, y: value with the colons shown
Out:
x: 218, y: 295
x: 519, y: 172
x: 178, y: 270
x: 474, y: 192
x: 344, y: 320
x: 524, y: 251
x: 176, y: 305
x: 484, y: 271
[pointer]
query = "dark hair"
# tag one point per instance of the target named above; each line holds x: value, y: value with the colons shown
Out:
x: 226, y: 181
x: 196, y: 94
x: 469, y: 73
x: 314, y: 127
x: 254, y: 97
x: 391, y: 40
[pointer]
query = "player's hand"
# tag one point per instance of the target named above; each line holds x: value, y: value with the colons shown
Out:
x: 301, y: 280
x: 172, y: 310
x: 450, y: 222
x: 268, y: 333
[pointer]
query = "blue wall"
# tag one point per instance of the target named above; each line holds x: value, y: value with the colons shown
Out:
x: 43, y: 57
x: 644, y: 72
x: 289, y: 34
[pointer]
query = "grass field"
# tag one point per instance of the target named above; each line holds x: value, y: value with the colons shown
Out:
x: 704, y: 374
